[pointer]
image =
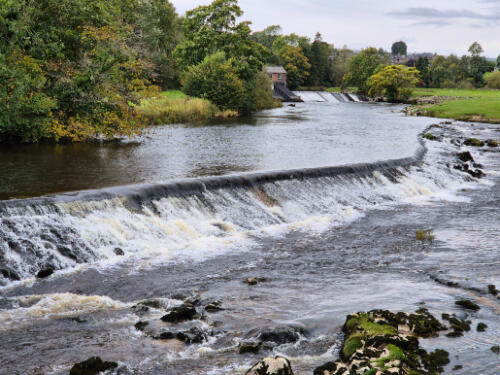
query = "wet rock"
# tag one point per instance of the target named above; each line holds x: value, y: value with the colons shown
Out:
x: 458, y: 326
x: 119, y: 252
x: 255, y: 281
x: 214, y: 306
x: 251, y: 281
x: 280, y: 336
x: 271, y: 366
x: 430, y: 137
x: 180, y: 314
x: 141, y: 326
x: 155, y: 304
x: 457, y: 367
x: 66, y: 252
x: 249, y: 347
x: 469, y: 305
x: 9, y: 274
x: 291, y: 105
x: 465, y: 157
x: 495, y: 349
x: 192, y: 336
x: 382, y: 342
x: 492, y: 143
x: 492, y: 289
x: 473, y: 142
x: 326, y: 369
x: 476, y: 173
x: 78, y: 320
x: 481, y: 327
x: 46, y: 272
x: 92, y: 366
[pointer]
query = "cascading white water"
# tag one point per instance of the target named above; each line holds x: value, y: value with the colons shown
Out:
x: 202, y: 223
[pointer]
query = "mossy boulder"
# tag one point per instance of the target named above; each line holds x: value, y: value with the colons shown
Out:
x: 469, y: 305
x: 271, y: 366
x: 430, y: 137
x: 381, y: 342
x: 473, y: 142
x: 493, y: 143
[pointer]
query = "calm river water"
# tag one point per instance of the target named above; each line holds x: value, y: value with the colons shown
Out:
x: 154, y: 224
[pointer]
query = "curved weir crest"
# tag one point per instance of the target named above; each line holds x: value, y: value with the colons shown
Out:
x: 205, y: 215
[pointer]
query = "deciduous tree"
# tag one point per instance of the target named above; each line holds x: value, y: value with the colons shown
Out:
x: 394, y: 81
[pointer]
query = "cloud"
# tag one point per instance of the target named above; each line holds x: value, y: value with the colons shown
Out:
x: 445, y: 15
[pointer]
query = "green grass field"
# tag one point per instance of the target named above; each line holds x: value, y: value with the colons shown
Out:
x: 467, y: 105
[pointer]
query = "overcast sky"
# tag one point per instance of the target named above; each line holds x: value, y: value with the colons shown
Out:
x: 442, y: 26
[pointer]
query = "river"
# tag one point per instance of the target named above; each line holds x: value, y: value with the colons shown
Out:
x: 321, y: 202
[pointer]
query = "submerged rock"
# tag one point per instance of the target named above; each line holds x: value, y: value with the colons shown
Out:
x: 249, y: 347
x: 280, y: 336
x: 481, y: 327
x: 474, y: 142
x: 46, y: 272
x: 119, y: 252
x: 271, y: 366
x: 458, y: 326
x: 180, y: 314
x: 465, y: 157
x: 382, y: 342
x: 492, y: 289
x: 495, y: 349
x: 9, y: 274
x: 469, y: 305
x: 192, y: 336
x: 92, y: 366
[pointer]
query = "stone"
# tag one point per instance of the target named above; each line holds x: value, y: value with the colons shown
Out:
x: 214, y: 306
x: 180, y: 314
x: 46, y: 272
x: 469, y: 305
x: 492, y: 289
x: 119, y: 252
x: 481, y: 327
x: 141, y: 326
x: 251, y: 281
x: 92, y: 366
x: 465, y: 157
x: 474, y: 142
x: 495, y: 349
x: 280, y: 336
x: 9, y: 274
x: 249, y: 347
x: 271, y: 366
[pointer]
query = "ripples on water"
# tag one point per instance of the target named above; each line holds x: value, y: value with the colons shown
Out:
x: 328, y: 245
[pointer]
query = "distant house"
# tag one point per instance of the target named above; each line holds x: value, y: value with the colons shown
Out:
x: 277, y: 74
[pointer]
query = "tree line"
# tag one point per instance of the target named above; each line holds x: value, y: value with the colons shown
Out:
x: 76, y: 70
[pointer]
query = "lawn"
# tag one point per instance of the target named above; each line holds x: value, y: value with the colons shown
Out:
x: 464, y: 104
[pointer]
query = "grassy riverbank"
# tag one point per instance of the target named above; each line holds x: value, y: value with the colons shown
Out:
x: 460, y: 104
x: 173, y: 107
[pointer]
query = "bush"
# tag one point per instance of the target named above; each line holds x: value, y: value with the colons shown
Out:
x: 215, y: 79
x: 394, y: 81
x: 493, y: 80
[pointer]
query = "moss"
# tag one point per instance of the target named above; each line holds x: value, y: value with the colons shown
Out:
x: 352, y: 344
x: 469, y: 305
x: 474, y: 142
x: 495, y: 349
x: 493, y: 143
x: 430, y: 137
x: 424, y: 235
x: 369, y: 328
x: 373, y: 371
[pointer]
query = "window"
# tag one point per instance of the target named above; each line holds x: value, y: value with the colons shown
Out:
x: 279, y: 77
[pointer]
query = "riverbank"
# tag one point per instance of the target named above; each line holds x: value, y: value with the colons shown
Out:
x: 174, y: 107
x: 477, y: 105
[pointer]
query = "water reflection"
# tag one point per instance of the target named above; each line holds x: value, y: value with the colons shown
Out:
x: 309, y: 135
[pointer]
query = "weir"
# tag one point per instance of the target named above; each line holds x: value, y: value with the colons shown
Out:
x: 323, y: 96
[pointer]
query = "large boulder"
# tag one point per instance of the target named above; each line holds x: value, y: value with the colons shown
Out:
x: 271, y: 366
x: 180, y: 314
x: 92, y: 366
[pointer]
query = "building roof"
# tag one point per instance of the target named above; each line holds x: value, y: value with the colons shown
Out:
x: 275, y: 70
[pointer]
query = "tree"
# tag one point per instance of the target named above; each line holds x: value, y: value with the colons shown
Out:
x: 295, y: 63
x: 422, y: 65
x: 399, y: 49
x: 267, y: 36
x: 214, y: 28
x: 394, y: 81
x: 216, y: 79
x: 319, y: 58
x: 476, y: 49
x: 498, y: 62
x: 362, y: 67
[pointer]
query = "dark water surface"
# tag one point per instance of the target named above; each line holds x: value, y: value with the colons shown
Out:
x: 310, y: 135
x: 328, y: 245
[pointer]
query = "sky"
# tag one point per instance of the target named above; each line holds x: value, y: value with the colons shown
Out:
x: 441, y: 26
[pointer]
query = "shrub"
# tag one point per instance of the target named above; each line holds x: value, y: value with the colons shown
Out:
x: 215, y: 79
x: 493, y: 80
